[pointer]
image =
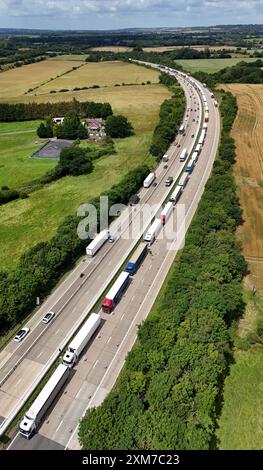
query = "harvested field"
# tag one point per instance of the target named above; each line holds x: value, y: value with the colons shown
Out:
x: 247, y: 132
x: 101, y: 74
x: 112, y: 49
x: 16, y: 82
x: 242, y: 403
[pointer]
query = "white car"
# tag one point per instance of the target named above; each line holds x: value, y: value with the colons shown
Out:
x: 21, y: 334
x: 48, y: 317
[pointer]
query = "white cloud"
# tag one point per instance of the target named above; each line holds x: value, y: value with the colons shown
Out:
x: 149, y: 12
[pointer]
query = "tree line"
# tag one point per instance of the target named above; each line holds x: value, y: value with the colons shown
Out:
x: 168, y: 393
x: 31, y: 111
x: 171, y: 116
x: 243, y: 72
x: 40, y: 268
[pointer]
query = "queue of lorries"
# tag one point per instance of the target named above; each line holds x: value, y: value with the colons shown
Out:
x: 37, y: 410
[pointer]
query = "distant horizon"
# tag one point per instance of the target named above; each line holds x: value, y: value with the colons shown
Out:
x: 22, y: 28
x: 111, y: 15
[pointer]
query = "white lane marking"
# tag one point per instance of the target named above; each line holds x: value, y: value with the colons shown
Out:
x: 41, y: 352
x: 79, y: 392
x: 122, y: 316
x: 60, y: 424
x: 109, y: 340
x: 95, y: 363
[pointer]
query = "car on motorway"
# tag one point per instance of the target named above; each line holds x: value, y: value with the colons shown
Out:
x: 48, y: 317
x: 134, y: 199
x: 178, y: 145
x: 154, y: 183
x: 165, y: 167
x: 192, y: 135
x: 169, y: 181
x: 22, y: 334
x: 111, y: 239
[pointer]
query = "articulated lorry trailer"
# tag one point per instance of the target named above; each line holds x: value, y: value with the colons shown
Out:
x: 149, y: 180
x: 166, y: 212
x: 97, y: 243
x: 115, y: 292
x: 136, y: 259
x: 39, y: 407
x: 153, y: 231
x: 81, y: 340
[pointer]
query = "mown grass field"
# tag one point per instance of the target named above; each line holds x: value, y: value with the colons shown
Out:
x: 18, y: 140
x: 241, y: 421
x: 209, y: 65
x: 15, y: 82
x: 102, y: 74
x: 29, y: 221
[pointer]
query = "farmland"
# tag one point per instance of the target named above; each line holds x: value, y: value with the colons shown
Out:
x: 16, y: 82
x: 103, y: 74
x: 242, y: 410
x: 26, y: 222
x: 209, y: 65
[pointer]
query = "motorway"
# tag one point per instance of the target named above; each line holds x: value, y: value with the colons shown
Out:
x: 96, y: 373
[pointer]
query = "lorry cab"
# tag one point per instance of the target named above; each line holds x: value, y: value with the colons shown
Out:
x: 27, y: 427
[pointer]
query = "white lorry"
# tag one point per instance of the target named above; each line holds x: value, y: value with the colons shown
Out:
x: 81, y: 339
x: 153, y: 231
x: 183, y: 180
x: 176, y: 194
x: 166, y: 212
x: 149, y: 180
x: 39, y: 407
x: 183, y: 155
x: 97, y: 243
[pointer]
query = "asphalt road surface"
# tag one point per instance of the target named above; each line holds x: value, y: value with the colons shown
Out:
x: 99, y: 366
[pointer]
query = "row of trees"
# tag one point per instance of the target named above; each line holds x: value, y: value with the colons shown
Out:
x: 40, y: 267
x: 171, y: 115
x: 167, y: 394
x: 31, y: 111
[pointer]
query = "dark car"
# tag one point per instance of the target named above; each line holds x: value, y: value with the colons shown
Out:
x: 134, y: 199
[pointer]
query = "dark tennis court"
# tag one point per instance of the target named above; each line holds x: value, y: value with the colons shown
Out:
x: 52, y: 149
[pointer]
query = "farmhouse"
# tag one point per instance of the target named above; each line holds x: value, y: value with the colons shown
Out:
x: 94, y: 124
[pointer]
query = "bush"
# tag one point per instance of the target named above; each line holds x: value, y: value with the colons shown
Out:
x: 71, y: 128
x: 118, y: 126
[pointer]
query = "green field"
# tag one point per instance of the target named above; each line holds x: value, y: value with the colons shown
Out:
x: 241, y: 422
x: 209, y: 65
x: 26, y: 222
x: 18, y: 140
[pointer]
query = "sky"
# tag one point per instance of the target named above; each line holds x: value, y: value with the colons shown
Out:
x: 114, y: 14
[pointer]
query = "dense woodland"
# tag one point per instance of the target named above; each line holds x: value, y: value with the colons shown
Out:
x: 168, y: 394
